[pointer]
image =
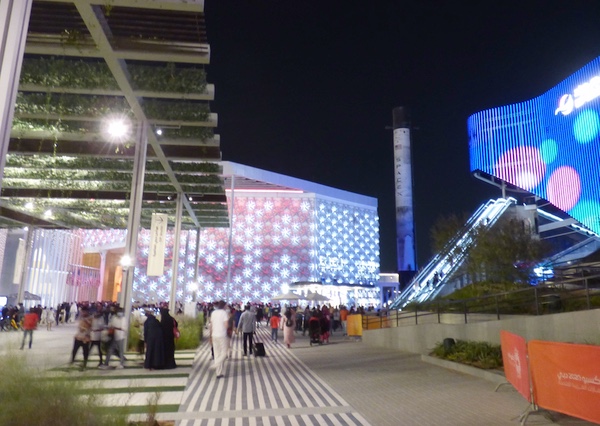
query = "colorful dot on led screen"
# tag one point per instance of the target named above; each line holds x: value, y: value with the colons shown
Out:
x: 549, y: 150
x: 587, y: 213
x: 522, y: 166
x: 564, y: 188
x: 586, y: 126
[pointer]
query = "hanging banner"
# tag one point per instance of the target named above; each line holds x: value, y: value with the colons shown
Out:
x: 514, y: 358
x: 158, y: 235
x: 566, y: 378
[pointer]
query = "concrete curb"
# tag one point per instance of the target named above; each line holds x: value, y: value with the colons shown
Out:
x: 489, y: 375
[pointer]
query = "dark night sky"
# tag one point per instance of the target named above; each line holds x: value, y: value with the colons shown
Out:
x: 306, y: 88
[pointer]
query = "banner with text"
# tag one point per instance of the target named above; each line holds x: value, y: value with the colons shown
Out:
x: 514, y: 358
x: 158, y: 235
x: 566, y: 378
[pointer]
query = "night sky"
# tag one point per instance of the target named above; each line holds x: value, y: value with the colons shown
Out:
x: 306, y: 88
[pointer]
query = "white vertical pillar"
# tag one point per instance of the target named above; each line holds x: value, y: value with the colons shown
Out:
x: 25, y: 270
x: 102, y: 275
x: 405, y: 231
x: 14, y: 22
x: 133, y: 219
x: 176, y: 242
x: 197, y: 261
x: 230, y: 245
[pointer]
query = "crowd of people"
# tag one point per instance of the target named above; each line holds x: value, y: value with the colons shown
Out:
x: 48, y: 316
x: 101, y: 326
x: 224, y: 321
x: 104, y: 327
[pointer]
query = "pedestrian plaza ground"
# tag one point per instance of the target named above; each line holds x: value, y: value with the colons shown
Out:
x: 344, y: 382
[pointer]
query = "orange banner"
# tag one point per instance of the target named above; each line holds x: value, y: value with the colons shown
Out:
x: 514, y: 358
x: 566, y: 378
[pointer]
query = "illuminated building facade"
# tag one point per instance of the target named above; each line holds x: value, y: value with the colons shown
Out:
x: 548, y: 146
x: 284, y: 230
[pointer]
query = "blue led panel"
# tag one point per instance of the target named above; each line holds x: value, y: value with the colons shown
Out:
x: 548, y: 145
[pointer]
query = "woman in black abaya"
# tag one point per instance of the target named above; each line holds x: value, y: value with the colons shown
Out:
x: 168, y: 323
x: 155, y: 346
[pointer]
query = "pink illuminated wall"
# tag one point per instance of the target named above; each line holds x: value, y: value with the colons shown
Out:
x: 276, y: 241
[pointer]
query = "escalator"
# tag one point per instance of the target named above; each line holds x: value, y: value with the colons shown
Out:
x: 429, y: 281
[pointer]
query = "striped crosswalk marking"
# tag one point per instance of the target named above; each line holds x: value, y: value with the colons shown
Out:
x: 275, y: 390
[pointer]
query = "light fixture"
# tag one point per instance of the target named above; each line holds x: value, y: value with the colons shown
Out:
x: 159, y: 132
x: 29, y: 205
x: 116, y: 128
x: 125, y: 261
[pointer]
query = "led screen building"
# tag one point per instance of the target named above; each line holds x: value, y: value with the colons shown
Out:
x: 286, y: 230
x: 548, y: 146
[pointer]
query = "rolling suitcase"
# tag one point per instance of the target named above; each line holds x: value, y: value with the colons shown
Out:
x: 259, y: 349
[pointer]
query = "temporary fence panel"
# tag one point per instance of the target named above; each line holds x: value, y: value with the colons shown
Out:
x: 566, y: 378
x: 514, y: 358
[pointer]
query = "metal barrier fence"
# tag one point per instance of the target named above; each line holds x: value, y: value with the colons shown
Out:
x: 538, y: 300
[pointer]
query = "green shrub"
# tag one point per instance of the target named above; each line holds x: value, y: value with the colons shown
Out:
x: 579, y: 304
x: 190, y: 330
x: 478, y: 354
x: 28, y: 399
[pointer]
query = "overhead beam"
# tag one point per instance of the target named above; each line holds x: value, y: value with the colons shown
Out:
x: 178, y: 5
x: 99, y: 30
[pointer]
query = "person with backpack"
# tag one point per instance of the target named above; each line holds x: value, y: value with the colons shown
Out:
x: 289, y: 326
x: 247, y: 325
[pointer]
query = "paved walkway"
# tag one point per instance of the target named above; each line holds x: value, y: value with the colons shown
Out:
x: 341, y: 383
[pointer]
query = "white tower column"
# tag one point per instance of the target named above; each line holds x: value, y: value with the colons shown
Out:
x: 405, y: 228
x: 14, y: 22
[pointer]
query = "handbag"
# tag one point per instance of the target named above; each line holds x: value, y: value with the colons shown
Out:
x: 176, y: 332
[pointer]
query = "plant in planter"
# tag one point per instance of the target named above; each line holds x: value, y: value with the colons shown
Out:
x: 50, y: 71
x: 167, y: 78
x: 477, y: 354
x: 161, y: 109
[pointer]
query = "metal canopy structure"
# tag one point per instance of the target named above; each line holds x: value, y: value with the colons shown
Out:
x: 86, y: 61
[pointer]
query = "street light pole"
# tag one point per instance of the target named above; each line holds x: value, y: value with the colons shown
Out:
x: 176, y: 242
x: 133, y: 220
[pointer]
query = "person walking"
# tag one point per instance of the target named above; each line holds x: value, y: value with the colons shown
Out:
x: 49, y: 315
x: 247, y: 325
x: 289, y: 327
x: 30, y: 323
x: 274, y: 321
x: 83, y: 337
x: 96, y: 334
x: 117, y: 345
x: 218, y: 336
x: 344, y: 319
